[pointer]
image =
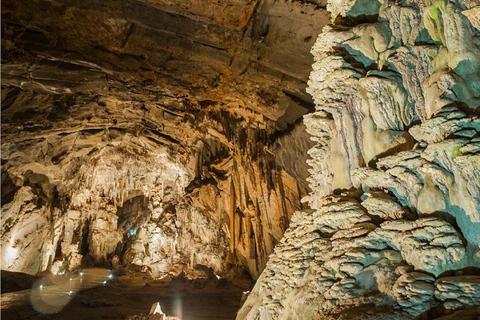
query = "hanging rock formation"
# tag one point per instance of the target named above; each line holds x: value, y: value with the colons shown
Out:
x: 153, y: 135
x: 394, y: 230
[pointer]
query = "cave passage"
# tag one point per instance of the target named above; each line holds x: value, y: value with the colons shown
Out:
x: 240, y: 159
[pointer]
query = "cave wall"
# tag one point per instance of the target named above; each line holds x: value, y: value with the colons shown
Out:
x: 394, y: 228
x: 89, y: 180
x: 153, y: 135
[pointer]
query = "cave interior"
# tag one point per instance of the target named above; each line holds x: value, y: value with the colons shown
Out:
x: 240, y: 159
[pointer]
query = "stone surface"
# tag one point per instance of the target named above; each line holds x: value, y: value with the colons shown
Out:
x: 154, y: 136
x: 166, y: 138
x: 458, y: 292
x: 129, y: 295
x: 394, y: 177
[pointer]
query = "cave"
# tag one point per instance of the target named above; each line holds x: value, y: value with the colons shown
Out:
x: 240, y: 159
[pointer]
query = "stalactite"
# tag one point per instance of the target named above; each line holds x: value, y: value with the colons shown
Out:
x: 232, y: 217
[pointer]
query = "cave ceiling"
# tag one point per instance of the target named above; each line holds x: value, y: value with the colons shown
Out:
x: 216, y: 51
x: 191, y: 60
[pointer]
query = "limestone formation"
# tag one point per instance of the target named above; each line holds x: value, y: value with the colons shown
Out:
x: 153, y: 136
x: 166, y: 138
x: 458, y: 292
x: 394, y: 178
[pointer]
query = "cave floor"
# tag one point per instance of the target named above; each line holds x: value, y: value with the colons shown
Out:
x: 200, y: 299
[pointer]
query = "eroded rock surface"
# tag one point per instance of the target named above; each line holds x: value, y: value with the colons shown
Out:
x: 153, y: 135
x: 395, y: 179
x: 104, y: 182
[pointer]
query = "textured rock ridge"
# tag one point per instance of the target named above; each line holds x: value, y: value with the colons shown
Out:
x: 395, y: 180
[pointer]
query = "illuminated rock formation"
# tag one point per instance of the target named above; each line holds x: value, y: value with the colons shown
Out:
x: 165, y: 138
x: 395, y: 179
x: 153, y: 135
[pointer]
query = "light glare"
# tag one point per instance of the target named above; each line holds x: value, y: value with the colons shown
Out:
x: 11, y: 253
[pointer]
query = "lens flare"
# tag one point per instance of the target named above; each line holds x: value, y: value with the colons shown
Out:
x: 52, y: 294
x: 48, y: 299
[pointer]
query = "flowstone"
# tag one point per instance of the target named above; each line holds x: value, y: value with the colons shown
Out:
x: 396, y: 129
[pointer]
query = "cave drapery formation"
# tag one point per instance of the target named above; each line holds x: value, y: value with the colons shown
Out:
x: 159, y: 136
x: 153, y: 134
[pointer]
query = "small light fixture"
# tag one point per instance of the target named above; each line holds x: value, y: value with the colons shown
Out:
x: 133, y: 232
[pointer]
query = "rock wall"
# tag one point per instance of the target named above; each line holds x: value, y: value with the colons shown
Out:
x: 394, y: 230
x: 154, y: 134
x: 148, y: 179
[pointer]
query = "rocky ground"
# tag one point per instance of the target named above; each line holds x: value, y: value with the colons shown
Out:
x: 126, y: 296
